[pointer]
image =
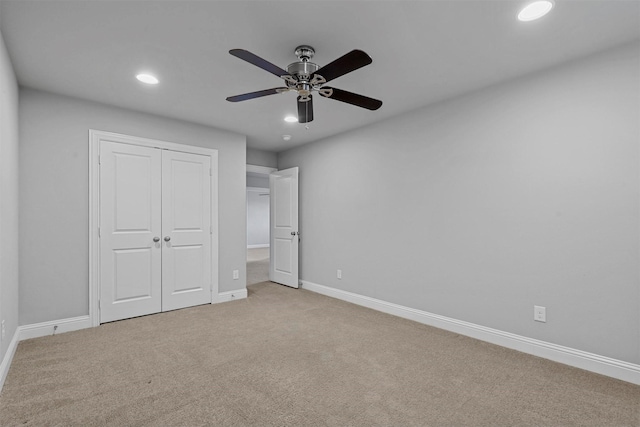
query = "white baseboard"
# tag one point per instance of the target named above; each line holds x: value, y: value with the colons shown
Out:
x: 619, y: 369
x: 37, y: 330
x: 266, y: 245
x: 231, y: 295
x: 8, y: 358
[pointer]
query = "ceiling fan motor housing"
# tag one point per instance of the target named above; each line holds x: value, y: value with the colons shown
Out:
x: 302, y: 72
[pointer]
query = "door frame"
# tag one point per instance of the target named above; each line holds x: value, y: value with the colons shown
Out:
x: 95, y: 136
x: 265, y: 170
x: 262, y: 170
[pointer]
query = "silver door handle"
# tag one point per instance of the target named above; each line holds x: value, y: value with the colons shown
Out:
x: 156, y: 239
x: 167, y: 238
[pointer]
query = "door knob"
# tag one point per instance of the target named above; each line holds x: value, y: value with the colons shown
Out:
x: 293, y: 233
x: 156, y: 239
x: 167, y: 238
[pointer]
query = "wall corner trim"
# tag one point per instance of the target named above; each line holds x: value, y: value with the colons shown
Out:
x: 37, y: 330
x: 8, y: 357
x: 230, y: 296
x: 603, y: 365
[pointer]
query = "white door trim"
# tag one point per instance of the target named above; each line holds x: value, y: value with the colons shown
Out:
x: 95, y: 136
x: 260, y: 169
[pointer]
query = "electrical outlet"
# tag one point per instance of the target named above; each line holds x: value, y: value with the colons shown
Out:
x: 3, y: 330
x: 539, y: 313
x: 339, y: 274
x: 236, y: 274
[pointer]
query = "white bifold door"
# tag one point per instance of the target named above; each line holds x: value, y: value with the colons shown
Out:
x: 284, y: 239
x: 155, y: 230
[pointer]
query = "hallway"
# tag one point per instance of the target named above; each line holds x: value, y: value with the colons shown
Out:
x: 257, y: 265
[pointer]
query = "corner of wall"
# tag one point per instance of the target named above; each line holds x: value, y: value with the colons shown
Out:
x: 8, y: 207
x: 8, y: 358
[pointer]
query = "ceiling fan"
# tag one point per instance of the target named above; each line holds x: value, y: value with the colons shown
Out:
x: 305, y: 77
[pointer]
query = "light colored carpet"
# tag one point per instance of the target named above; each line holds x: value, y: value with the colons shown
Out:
x: 287, y: 357
x: 257, y: 265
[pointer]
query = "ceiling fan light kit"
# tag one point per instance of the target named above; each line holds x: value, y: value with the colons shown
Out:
x: 305, y: 77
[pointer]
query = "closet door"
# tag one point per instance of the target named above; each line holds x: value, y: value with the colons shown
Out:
x: 186, y: 230
x: 130, y: 222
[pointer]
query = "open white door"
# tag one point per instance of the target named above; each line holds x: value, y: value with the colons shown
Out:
x: 283, y: 264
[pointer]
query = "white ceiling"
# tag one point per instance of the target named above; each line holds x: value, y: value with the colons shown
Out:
x: 423, y: 52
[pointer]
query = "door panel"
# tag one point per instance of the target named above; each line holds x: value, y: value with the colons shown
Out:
x: 132, y: 187
x: 130, y: 201
x: 283, y: 189
x: 133, y: 274
x: 283, y: 266
x: 188, y: 266
x: 186, y: 222
x: 282, y: 255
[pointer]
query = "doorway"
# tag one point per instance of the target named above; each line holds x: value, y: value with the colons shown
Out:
x: 258, y: 226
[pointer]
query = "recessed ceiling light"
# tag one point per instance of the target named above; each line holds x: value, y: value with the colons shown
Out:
x: 147, y: 78
x: 286, y: 137
x: 535, y: 10
x: 291, y: 119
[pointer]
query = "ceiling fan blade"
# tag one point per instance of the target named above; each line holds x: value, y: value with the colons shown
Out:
x: 305, y: 110
x: 258, y: 62
x: 350, y: 98
x: 345, y: 64
x: 258, y: 94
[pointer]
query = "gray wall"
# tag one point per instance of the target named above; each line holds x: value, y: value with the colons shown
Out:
x: 54, y: 193
x: 258, y: 181
x: 8, y: 198
x: 482, y: 206
x: 262, y: 158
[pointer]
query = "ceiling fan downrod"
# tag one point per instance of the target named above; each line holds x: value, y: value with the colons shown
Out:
x: 304, y: 53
